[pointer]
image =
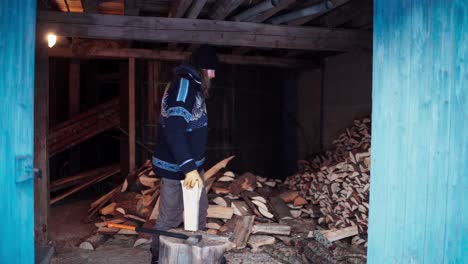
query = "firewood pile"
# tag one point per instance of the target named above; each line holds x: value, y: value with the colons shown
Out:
x: 332, y: 189
x: 337, y: 182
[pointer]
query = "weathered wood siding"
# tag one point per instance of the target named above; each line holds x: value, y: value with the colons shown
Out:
x: 17, y: 27
x: 419, y: 190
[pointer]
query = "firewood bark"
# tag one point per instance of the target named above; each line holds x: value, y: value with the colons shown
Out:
x: 280, y: 208
x: 242, y: 231
x: 289, y: 196
x: 246, y: 182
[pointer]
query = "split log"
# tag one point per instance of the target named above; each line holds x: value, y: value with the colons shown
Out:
x: 217, y: 211
x: 241, y: 208
x: 109, y: 209
x: 271, y: 229
x: 213, y: 170
x: 288, y: 197
x: 96, y: 205
x: 246, y: 182
x: 220, y: 201
x: 280, y: 208
x: 256, y: 241
x: 155, y: 213
x: 148, y: 181
x: 333, y: 235
x: 242, y: 231
x: 94, y: 241
x: 300, y: 201
x: 220, y: 190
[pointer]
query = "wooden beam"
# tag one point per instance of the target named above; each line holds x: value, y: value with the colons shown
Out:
x: 196, y: 9
x: 222, y: 8
x: 268, y: 14
x: 131, y: 8
x: 179, y: 7
x: 153, y: 99
x: 90, y: 6
x: 226, y: 33
x: 180, y: 56
x: 73, y: 110
x: 41, y: 131
x: 262, y: 18
x: 307, y: 19
x: 345, y: 13
x: 131, y: 114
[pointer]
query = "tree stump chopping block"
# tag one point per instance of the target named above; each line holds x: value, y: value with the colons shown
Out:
x: 209, y: 250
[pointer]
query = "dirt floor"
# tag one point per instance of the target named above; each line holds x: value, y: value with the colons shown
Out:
x: 67, y: 230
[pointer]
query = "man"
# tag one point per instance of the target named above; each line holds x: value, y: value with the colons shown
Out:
x: 182, y: 136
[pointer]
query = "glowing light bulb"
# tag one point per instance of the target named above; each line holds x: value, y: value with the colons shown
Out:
x: 51, y: 39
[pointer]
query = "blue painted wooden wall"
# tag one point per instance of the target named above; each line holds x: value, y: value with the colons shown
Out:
x: 17, y: 38
x: 419, y: 184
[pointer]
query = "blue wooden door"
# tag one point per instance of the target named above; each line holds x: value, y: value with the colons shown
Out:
x: 419, y: 185
x: 17, y: 39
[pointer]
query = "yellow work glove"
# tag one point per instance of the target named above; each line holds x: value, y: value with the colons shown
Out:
x: 191, y: 178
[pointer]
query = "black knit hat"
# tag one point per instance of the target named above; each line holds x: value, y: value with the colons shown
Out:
x: 205, y: 57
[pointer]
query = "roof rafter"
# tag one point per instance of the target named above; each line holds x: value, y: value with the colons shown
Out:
x: 198, y: 31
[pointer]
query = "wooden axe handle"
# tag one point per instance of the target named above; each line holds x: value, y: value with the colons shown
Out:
x: 128, y: 227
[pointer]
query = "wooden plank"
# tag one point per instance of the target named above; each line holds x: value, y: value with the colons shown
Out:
x: 83, y: 127
x: 242, y: 231
x: 131, y: 114
x: 166, y: 55
x: 418, y: 208
x: 41, y: 131
x: 112, y: 171
x: 199, y: 31
x: 195, y: 9
x: 271, y: 229
x: 71, y: 180
x: 222, y: 8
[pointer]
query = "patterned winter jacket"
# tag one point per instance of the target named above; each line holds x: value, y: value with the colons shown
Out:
x: 182, y: 133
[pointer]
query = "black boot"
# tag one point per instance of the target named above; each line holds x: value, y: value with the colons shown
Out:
x: 155, y: 256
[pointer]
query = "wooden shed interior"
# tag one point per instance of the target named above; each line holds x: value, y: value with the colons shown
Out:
x: 300, y: 87
x: 293, y: 76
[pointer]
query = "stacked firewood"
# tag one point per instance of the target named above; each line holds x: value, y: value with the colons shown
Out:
x: 338, y: 181
x: 331, y: 189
